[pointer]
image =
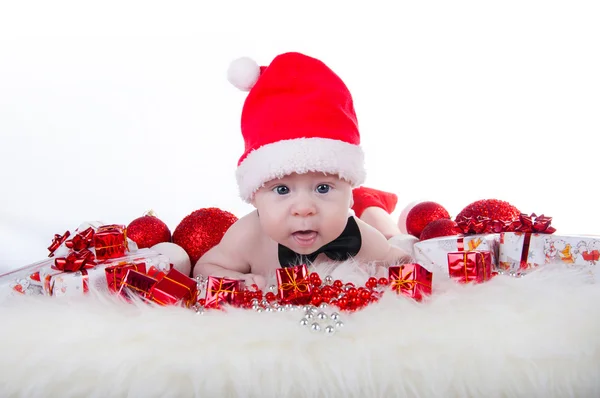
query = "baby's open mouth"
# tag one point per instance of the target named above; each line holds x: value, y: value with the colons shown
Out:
x: 305, y: 238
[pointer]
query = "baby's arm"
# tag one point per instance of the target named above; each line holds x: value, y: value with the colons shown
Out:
x: 376, y: 249
x: 229, y: 258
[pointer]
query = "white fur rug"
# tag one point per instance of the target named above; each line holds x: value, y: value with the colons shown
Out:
x: 537, y: 336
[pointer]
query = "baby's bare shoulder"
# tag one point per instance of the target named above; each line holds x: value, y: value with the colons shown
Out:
x: 235, y: 248
x: 244, y: 232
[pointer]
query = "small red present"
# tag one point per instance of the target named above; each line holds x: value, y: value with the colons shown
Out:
x: 293, y: 285
x: 136, y: 283
x: 173, y: 288
x: 223, y: 291
x: 110, y: 241
x: 116, y: 273
x: 473, y: 266
x: 411, y: 280
x: 157, y: 273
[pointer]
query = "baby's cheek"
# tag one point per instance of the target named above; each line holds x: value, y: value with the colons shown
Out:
x: 331, y: 229
x: 273, y: 227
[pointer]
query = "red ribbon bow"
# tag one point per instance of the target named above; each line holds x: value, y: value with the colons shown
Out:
x: 57, y: 241
x: 83, y: 240
x: 480, y: 224
x: 525, y: 223
x: 75, y: 261
x: 535, y: 224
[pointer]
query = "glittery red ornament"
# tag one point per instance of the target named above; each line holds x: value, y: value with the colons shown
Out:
x: 148, y: 231
x: 493, y: 209
x: 439, y: 228
x: 201, y: 230
x: 422, y: 214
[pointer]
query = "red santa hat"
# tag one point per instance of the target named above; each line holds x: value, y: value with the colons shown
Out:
x: 298, y: 117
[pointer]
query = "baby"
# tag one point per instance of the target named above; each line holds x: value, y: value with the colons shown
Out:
x: 301, y: 168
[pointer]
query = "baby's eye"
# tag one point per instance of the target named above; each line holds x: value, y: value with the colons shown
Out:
x: 323, y: 188
x: 281, y: 190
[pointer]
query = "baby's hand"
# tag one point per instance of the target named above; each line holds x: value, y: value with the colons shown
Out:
x: 259, y: 280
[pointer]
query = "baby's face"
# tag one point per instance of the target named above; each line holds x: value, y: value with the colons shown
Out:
x: 304, y: 211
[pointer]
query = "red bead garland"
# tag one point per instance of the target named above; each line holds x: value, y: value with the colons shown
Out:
x: 344, y: 296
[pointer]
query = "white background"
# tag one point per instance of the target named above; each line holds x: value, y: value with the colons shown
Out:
x: 112, y: 109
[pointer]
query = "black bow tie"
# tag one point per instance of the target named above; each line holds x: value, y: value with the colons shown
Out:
x: 342, y: 248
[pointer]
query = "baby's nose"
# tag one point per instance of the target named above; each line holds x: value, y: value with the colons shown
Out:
x: 304, y: 208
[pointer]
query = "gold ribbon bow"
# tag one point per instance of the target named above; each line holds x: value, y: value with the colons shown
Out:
x: 301, y: 285
x: 221, y: 290
x: 406, y: 284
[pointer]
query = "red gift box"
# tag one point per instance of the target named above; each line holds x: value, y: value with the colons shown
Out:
x: 411, y: 280
x: 473, y: 266
x: 293, y: 285
x: 110, y: 241
x: 136, y: 283
x: 157, y: 273
x: 68, y: 281
x: 116, y: 273
x: 223, y: 290
x: 173, y: 288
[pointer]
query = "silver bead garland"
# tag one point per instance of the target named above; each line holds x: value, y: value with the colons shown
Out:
x: 319, y: 319
x: 330, y: 321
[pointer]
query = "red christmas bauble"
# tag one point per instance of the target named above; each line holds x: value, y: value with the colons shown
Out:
x: 422, y: 214
x: 148, y: 230
x: 439, y: 228
x: 201, y: 230
x: 491, y: 208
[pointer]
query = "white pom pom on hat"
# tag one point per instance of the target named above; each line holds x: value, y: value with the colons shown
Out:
x: 243, y: 73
